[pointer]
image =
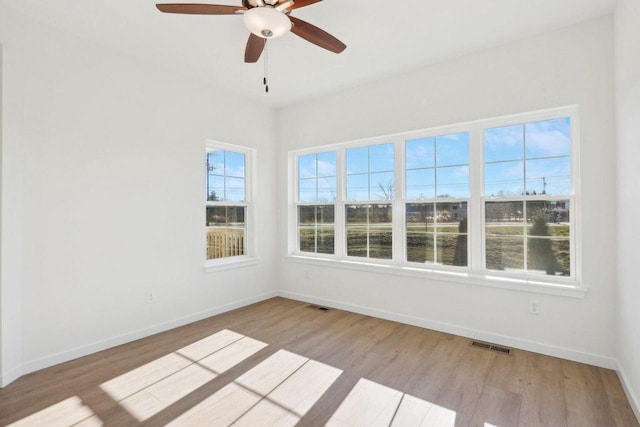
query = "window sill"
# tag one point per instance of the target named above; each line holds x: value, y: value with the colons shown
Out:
x: 526, y: 284
x: 211, y: 266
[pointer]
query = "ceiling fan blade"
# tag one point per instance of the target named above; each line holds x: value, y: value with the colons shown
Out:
x: 255, y: 46
x: 315, y: 35
x: 300, y: 3
x: 199, y: 9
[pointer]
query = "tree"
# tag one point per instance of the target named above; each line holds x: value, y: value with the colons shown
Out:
x: 460, y: 257
x: 443, y: 215
x: 540, y: 252
x: 387, y: 189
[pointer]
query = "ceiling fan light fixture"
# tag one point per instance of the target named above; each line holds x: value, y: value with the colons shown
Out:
x: 266, y: 22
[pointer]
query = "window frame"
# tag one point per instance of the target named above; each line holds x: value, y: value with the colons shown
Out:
x: 475, y: 272
x: 250, y: 256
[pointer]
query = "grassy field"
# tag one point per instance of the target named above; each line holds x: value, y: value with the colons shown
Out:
x: 505, y: 248
x: 323, y: 238
x: 446, y: 249
x: 504, y: 245
x: 380, y: 241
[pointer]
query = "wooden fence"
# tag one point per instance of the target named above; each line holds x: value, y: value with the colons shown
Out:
x: 222, y: 243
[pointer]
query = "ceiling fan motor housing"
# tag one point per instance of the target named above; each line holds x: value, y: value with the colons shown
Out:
x: 258, y: 3
x: 266, y: 22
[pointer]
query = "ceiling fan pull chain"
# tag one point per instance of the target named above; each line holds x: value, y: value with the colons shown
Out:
x: 266, y: 67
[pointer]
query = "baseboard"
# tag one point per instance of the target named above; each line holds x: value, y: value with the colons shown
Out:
x: 536, y: 347
x: 551, y: 350
x: 10, y: 376
x: 65, y: 356
x: 633, y: 399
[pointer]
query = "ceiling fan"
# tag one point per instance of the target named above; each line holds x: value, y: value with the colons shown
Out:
x: 266, y: 19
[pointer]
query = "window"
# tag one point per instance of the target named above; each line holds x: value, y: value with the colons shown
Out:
x: 317, y: 195
x: 227, y: 201
x: 370, y: 179
x: 437, y: 185
x: 528, y: 213
x: 492, y: 198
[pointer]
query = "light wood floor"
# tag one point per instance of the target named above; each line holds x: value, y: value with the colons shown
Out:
x: 281, y: 362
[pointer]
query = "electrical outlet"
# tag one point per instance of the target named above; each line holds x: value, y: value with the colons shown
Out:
x: 534, y: 307
x: 151, y: 297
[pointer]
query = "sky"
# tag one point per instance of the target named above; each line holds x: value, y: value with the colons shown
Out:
x: 527, y: 158
x: 226, y: 175
x: 438, y: 167
x: 532, y: 157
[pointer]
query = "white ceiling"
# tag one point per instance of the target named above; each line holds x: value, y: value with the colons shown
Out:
x: 383, y: 37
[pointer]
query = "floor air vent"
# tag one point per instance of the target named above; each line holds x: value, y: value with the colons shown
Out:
x: 481, y: 345
x: 319, y: 307
x: 492, y: 347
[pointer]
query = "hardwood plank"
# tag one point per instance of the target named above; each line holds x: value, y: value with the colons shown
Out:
x: 105, y: 408
x: 508, y: 373
x: 228, y: 357
x: 368, y: 404
x: 497, y: 407
x: 328, y: 404
x: 398, y: 356
x: 209, y: 345
x: 282, y: 361
x: 411, y: 412
x: 65, y: 413
x: 585, y: 395
x: 146, y: 375
x: 543, y: 401
x: 292, y: 399
x: 153, y: 399
x: 220, y: 409
x: 272, y: 372
x: 193, y: 401
x: 465, y: 384
x: 432, y: 375
x: 305, y: 386
x: 621, y: 409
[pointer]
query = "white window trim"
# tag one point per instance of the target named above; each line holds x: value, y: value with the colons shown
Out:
x: 443, y: 274
x: 250, y: 257
x: 474, y: 273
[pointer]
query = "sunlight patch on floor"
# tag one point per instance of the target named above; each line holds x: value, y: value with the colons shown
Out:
x: 140, y: 378
x: 209, y: 345
x: 149, y: 389
x: 69, y: 412
x: 371, y: 404
x: 278, y: 391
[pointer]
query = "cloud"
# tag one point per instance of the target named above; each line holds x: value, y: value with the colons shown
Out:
x: 420, y: 153
x: 461, y: 172
x: 506, y: 136
x: 326, y: 168
x: 548, y: 138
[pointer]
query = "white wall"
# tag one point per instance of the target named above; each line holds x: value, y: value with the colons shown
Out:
x: 103, y: 197
x: 627, y: 64
x: 102, y: 194
x: 11, y: 193
x: 572, y: 66
x: 1, y: 180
